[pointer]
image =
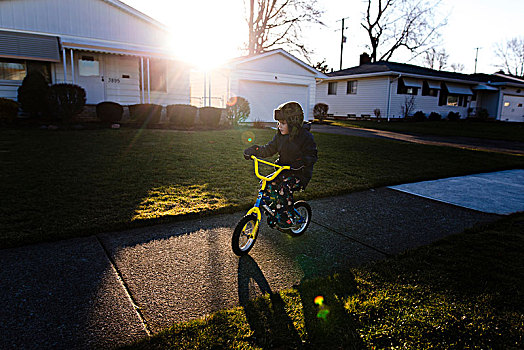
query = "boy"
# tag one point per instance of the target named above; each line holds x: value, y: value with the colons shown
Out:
x: 296, y: 147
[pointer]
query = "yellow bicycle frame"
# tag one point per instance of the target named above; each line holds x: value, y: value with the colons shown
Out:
x: 256, y: 207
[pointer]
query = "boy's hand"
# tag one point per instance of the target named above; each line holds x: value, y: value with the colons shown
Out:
x: 251, y: 151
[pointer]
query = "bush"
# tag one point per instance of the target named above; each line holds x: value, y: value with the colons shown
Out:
x: 453, y: 116
x: 258, y: 124
x: 320, y: 111
x: 109, y: 111
x: 32, y: 94
x: 483, y: 114
x: 237, y: 110
x: 145, y: 113
x: 182, y: 115
x: 66, y: 100
x: 419, y: 116
x: 210, y: 116
x: 8, y: 109
x: 434, y: 116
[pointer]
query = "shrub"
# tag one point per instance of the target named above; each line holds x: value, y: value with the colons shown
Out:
x: 8, y: 109
x: 453, y: 116
x: 145, y: 113
x: 320, y: 111
x: 376, y: 112
x: 66, y: 100
x: 210, y: 116
x: 483, y: 114
x: 182, y: 115
x: 434, y: 116
x: 109, y: 111
x: 419, y: 116
x: 32, y: 94
x: 237, y: 110
x: 258, y: 124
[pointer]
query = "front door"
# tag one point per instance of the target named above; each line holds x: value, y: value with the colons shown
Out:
x: 90, y: 76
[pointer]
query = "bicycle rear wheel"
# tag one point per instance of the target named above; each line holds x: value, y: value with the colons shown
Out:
x: 304, y: 211
x: 244, y: 236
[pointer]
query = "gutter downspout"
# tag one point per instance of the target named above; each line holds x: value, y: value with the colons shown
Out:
x: 72, y: 67
x: 389, y: 91
x: 64, y: 59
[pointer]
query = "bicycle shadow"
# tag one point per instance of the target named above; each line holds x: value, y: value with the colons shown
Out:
x: 267, y: 316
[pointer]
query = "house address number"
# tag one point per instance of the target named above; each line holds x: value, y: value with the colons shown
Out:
x: 113, y: 80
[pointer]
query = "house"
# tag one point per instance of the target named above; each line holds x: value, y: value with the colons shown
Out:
x: 113, y: 51
x: 266, y: 80
x: 394, y: 90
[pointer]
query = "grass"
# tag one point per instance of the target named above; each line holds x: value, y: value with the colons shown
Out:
x: 462, y: 292
x: 62, y: 184
x: 462, y: 128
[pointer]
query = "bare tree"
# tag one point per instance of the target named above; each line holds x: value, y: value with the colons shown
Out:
x: 435, y: 59
x: 277, y: 23
x: 322, y: 66
x: 408, y: 106
x: 457, y: 67
x: 512, y: 56
x: 400, y: 24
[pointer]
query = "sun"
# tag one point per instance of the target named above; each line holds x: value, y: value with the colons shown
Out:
x: 206, y: 33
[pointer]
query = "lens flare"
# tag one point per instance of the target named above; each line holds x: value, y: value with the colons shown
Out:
x: 323, y: 311
x: 323, y: 314
x: 319, y: 300
x: 232, y: 101
x: 248, y: 138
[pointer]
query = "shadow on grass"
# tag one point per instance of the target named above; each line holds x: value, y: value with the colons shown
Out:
x: 325, y: 321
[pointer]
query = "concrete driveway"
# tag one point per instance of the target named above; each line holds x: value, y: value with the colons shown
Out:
x: 108, y: 290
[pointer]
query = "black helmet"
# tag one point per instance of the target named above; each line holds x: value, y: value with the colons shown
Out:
x: 292, y: 113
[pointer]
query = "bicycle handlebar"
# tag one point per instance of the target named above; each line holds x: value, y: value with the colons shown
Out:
x: 280, y: 168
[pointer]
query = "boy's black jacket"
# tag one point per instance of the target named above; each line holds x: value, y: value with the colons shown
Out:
x: 299, y: 152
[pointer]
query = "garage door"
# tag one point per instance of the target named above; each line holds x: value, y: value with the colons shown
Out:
x: 512, y: 109
x: 263, y: 98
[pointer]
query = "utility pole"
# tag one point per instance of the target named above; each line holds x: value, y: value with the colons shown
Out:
x: 476, y: 56
x: 342, y: 40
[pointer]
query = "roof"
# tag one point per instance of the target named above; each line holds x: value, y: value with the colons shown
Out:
x: 386, y: 67
x: 249, y: 58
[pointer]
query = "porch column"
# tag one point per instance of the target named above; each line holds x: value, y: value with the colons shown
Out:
x: 72, y: 67
x: 64, y: 59
x: 148, y: 83
x: 209, y: 86
x: 142, y: 79
x: 205, y: 82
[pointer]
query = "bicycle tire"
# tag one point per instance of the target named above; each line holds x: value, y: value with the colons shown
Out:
x: 305, y: 210
x: 239, y: 248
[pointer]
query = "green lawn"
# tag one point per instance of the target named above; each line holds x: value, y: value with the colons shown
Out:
x: 483, y: 130
x: 462, y: 292
x: 60, y: 184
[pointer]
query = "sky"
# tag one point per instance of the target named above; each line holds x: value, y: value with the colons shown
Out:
x: 209, y: 32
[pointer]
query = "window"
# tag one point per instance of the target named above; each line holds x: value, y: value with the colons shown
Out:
x: 427, y: 91
x: 12, y: 69
x: 88, y: 66
x: 404, y: 90
x: 158, y: 75
x: 43, y: 68
x: 506, y: 104
x: 332, y: 88
x: 519, y: 105
x: 452, y: 100
x: 351, y: 87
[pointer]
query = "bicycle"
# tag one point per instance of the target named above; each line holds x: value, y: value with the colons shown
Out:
x: 246, y: 231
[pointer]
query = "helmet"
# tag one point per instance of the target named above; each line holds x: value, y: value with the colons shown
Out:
x: 293, y: 114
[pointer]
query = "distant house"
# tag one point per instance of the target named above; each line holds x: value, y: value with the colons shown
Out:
x: 266, y: 80
x: 113, y: 51
x: 388, y: 86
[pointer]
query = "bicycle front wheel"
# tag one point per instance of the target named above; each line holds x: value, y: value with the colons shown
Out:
x: 245, y: 235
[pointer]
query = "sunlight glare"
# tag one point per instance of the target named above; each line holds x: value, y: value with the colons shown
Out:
x: 206, y: 33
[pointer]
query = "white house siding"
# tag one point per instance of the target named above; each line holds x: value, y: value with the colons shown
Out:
x: 117, y: 88
x: 427, y: 104
x: 275, y: 63
x: 515, y: 111
x: 79, y: 18
x: 9, y: 90
x: 371, y: 94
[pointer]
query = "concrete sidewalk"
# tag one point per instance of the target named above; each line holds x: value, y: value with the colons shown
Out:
x: 108, y: 290
x: 501, y: 146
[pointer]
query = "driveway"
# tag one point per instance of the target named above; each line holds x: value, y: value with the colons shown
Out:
x: 110, y: 289
x: 511, y: 147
